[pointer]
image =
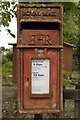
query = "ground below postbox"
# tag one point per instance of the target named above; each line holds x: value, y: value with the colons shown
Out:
x: 9, y: 105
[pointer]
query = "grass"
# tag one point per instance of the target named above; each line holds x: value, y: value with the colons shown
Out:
x: 6, y: 73
x: 76, y: 75
x: 66, y: 83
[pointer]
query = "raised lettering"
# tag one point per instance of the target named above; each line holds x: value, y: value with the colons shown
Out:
x: 32, y: 39
x: 40, y: 39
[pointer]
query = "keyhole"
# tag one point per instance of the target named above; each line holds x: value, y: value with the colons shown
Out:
x: 27, y: 79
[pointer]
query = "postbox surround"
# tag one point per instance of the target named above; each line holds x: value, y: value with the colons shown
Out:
x: 39, y: 103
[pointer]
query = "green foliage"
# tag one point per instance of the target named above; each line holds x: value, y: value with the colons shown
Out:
x: 7, y: 67
x: 9, y: 56
x: 2, y: 49
x: 75, y: 66
x: 8, y: 12
x: 78, y: 45
x: 66, y: 77
x: 6, y: 73
x: 4, y: 60
x: 71, y: 14
x: 66, y: 83
x: 66, y: 74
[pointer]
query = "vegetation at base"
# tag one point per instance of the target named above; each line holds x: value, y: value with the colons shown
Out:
x: 70, y: 78
x: 6, y: 70
x: 6, y: 66
x: 66, y: 83
x: 66, y: 77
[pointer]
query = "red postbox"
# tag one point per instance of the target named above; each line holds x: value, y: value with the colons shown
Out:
x: 39, y: 58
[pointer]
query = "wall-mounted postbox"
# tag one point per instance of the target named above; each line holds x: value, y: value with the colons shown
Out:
x: 39, y: 58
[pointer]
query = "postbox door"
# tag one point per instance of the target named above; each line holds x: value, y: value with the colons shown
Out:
x: 47, y: 98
